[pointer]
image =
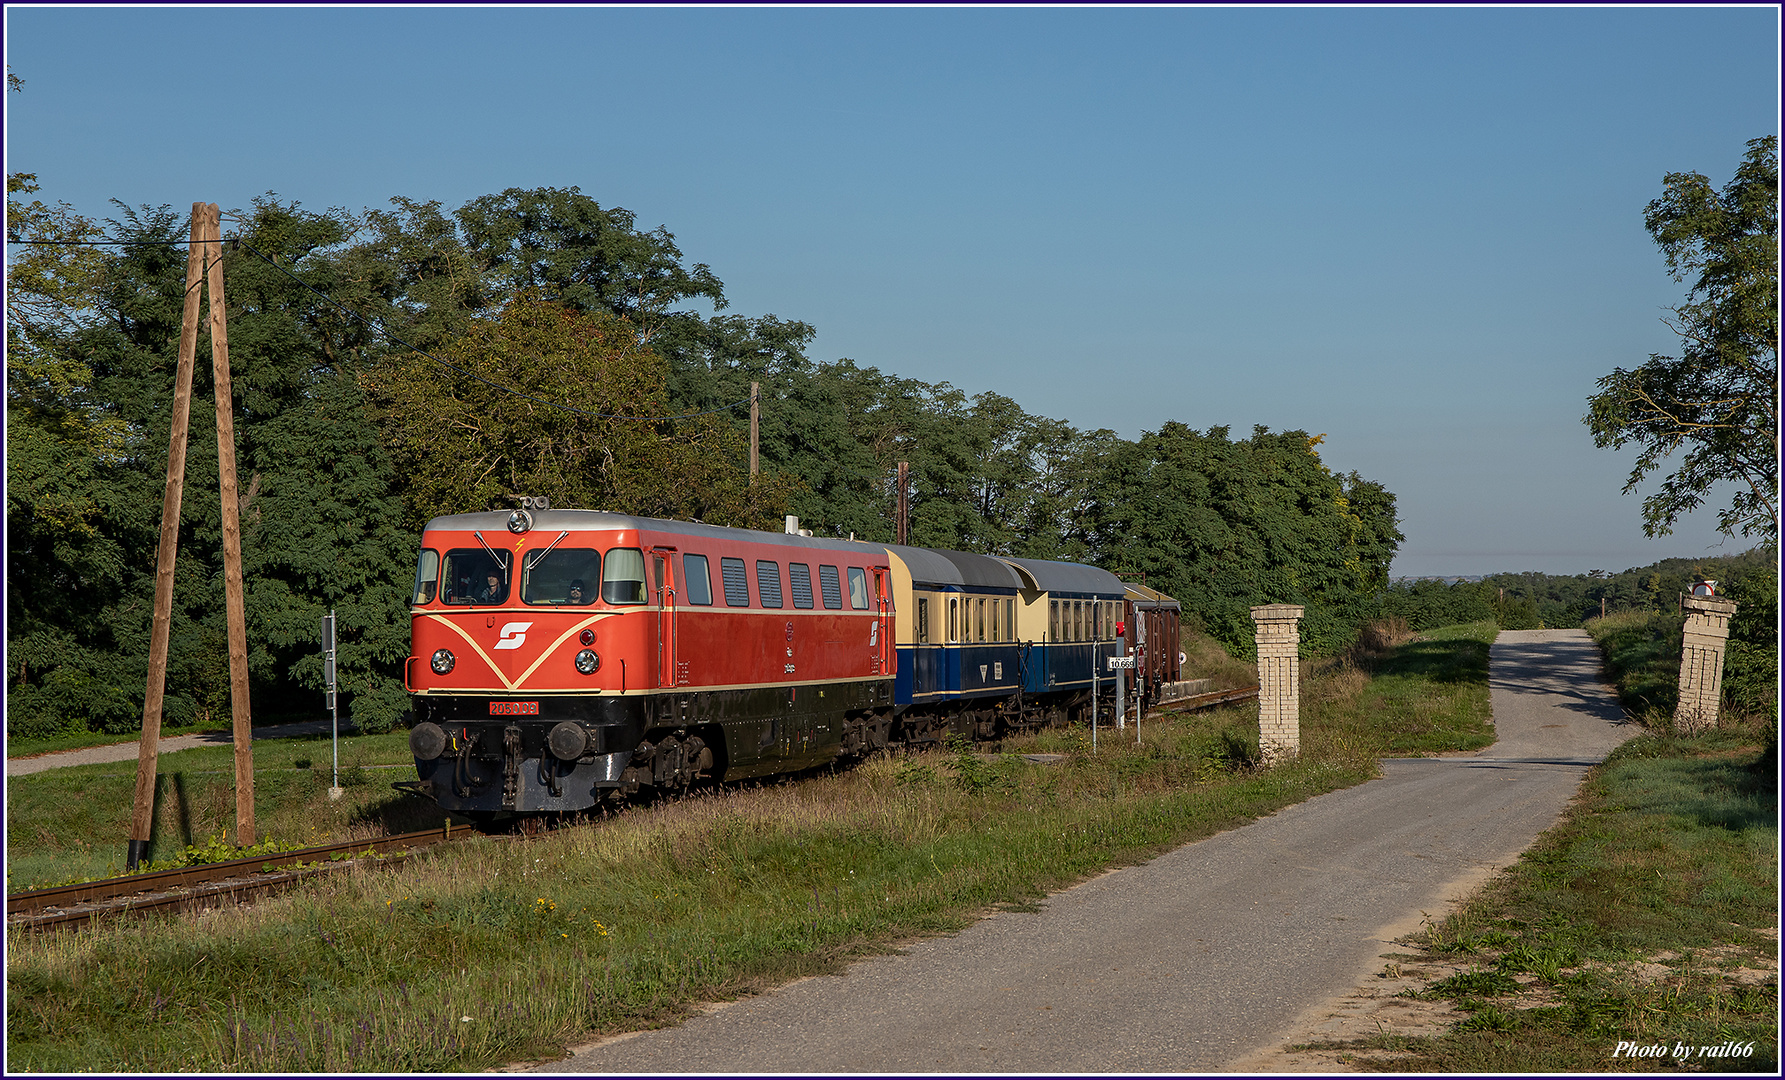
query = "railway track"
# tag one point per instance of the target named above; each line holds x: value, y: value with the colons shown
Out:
x: 1218, y: 697
x: 193, y: 887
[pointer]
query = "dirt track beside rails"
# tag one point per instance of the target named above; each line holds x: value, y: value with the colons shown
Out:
x: 1206, y: 958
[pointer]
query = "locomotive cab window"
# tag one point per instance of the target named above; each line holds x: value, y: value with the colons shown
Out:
x: 473, y: 577
x: 561, y: 576
x: 623, y: 578
x: 697, y: 580
x: 427, y: 577
x: 858, y: 588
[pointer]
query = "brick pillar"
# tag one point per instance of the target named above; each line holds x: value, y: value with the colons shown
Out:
x: 1279, y: 679
x: 1701, y: 661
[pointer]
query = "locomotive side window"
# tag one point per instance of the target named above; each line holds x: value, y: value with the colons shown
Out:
x: 830, y: 587
x: 737, y: 586
x: 697, y: 580
x: 799, y: 582
x: 858, y: 588
x: 623, y: 579
x: 561, y: 576
x: 472, y: 577
x: 768, y: 583
x: 427, y: 577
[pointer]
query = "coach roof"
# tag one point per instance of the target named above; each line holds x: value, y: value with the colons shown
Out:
x: 1063, y: 577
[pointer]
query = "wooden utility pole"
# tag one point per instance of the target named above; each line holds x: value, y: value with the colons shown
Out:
x: 755, y: 413
x: 243, y: 725
x: 143, y: 819
x: 204, y: 256
x: 902, y: 524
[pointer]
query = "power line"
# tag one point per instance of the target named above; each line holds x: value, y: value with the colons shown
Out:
x: 380, y: 328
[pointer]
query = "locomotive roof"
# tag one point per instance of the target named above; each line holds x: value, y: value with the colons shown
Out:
x: 1065, y: 577
x: 934, y: 566
x: 558, y: 520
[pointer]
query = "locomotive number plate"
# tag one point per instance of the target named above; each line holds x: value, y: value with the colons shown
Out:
x: 514, y: 708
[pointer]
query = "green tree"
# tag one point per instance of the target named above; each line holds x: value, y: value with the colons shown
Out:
x: 1224, y: 525
x: 580, y: 434
x: 1718, y: 399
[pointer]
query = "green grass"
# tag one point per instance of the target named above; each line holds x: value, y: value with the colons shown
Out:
x: 1642, y: 660
x: 1668, y: 858
x: 494, y: 951
x: 72, y: 823
x: 1426, y: 695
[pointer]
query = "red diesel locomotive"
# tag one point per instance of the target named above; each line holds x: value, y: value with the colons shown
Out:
x: 565, y: 656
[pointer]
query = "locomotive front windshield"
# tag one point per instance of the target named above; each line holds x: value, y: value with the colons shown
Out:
x: 562, y: 576
x: 472, y: 576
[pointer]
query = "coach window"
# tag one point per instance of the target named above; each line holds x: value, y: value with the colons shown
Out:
x: 427, y: 577
x: 997, y: 627
x: 472, y: 577
x: 979, y: 620
x: 954, y: 608
x: 561, y: 576
x: 830, y: 586
x: 768, y: 583
x: 697, y: 579
x: 799, y: 583
x: 623, y: 578
x: 923, y: 620
x: 858, y: 588
x: 737, y: 585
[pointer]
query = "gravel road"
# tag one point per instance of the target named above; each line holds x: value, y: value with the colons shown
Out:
x: 1203, y: 955
x: 97, y: 755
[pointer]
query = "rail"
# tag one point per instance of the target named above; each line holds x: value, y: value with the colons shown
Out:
x: 197, y: 886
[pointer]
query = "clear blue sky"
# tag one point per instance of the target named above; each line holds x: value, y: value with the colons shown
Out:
x: 1417, y: 231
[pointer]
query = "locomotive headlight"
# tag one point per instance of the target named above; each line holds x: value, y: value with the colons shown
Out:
x: 587, y: 662
x: 442, y: 662
x: 520, y: 521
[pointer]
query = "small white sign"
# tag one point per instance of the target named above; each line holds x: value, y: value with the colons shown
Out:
x: 1121, y: 663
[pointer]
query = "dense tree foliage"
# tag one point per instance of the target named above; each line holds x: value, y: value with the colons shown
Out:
x: 1223, y: 525
x: 1717, y: 403
x: 411, y: 361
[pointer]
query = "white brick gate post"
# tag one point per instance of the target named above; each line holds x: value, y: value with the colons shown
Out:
x: 1279, y: 680
x: 1701, y: 661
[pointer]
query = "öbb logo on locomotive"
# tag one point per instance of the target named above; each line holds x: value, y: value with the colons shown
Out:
x: 513, y: 635
x: 697, y: 625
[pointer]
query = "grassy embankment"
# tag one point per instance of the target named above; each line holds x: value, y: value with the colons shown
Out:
x: 494, y: 951
x: 1648, y: 916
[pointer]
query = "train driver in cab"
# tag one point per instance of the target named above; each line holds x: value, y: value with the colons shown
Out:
x: 492, y: 590
x: 576, y: 593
